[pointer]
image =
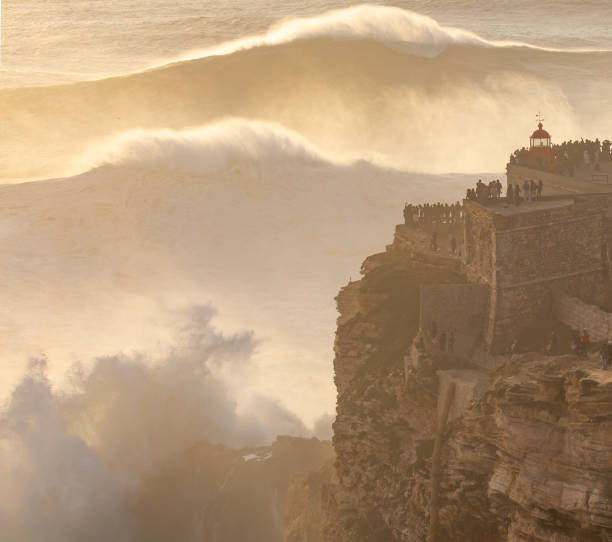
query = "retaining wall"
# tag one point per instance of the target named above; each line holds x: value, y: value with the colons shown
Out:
x: 578, y: 315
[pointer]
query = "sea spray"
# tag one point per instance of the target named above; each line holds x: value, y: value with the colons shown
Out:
x: 246, y: 216
x: 71, y: 462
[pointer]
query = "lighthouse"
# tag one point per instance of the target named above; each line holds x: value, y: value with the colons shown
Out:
x: 540, y: 146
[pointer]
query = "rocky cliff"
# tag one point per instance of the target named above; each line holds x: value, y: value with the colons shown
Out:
x: 216, y: 494
x: 421, y: 456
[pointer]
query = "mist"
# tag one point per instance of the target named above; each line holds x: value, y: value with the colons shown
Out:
x: 70, y: 459
x: 247, y: 216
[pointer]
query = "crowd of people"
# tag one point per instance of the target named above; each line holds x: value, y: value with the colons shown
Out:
x: 485, y: 191
x: 436, y: 218
x: 436, y: 213
x: 567, y: 156
x: 531, y: 190
x: 427, y: 214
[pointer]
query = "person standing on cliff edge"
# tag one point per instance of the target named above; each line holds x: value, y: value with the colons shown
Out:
x: 408, y: 214
x: 609, y: 352
x: 517, y: 195
x: 540, y: 188
x: 604, y: 354
x: 584, y: 343
x: 526, y: 190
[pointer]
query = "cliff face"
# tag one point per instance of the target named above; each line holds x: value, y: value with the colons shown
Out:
x: 532, y: 460
x: 304, y: 505
x: 529, y: 458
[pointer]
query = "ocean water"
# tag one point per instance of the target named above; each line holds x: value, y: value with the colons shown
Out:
x: 186, y: 186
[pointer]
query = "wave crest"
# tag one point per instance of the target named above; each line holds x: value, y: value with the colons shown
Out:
x: 213, y: 147
x: 417, y: 33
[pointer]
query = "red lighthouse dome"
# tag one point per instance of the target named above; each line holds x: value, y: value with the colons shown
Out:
x: 540, y: 138
x: 540, y: 146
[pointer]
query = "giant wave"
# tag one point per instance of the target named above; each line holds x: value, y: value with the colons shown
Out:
x: 351, y: 98
x: 413, y: 32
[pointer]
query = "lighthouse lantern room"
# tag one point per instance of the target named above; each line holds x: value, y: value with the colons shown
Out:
x: 539, y: 143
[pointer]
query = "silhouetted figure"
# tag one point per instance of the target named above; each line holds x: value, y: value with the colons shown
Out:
x: 540, y: 188
x: 451, y: 342
x: 434, y: 241
x: 604, y: 354
x: 408, y: 215
x: 481, y: 190
x: 453, y: 245
x: 526, y: 191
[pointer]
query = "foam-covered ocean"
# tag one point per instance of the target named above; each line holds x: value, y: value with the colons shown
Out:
x: 187, y: 185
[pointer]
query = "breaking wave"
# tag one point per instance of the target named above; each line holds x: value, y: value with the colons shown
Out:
x: 407, y: 29
x: 333, y: 80
x: 354, y: 98
x: 215, y: 147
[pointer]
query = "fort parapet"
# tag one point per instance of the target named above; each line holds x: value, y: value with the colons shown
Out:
x: 585, y: 181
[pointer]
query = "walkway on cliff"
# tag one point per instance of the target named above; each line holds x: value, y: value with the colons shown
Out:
x: 503, y: 207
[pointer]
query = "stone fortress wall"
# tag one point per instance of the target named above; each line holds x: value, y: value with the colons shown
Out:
x: 527, y: 258
x: 525, y: 255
